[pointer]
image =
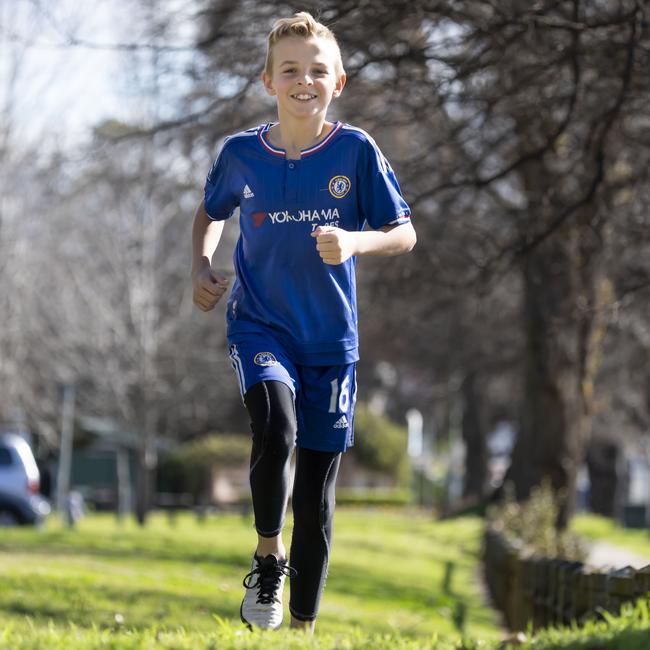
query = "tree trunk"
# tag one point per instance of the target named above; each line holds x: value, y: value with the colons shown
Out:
x: 141, y: 490
x: 65, y: 453
x: 607, y: 477
x: 147, y: 462
x: 563, y: 296
x: 143, y: 484
x: 123, y: 482
x: 474, y: 437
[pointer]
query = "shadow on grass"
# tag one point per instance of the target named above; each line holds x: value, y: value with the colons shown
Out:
x: 97, y: 605
x: 386, y: 588
x: 628, y: 640
x: 170, y: 553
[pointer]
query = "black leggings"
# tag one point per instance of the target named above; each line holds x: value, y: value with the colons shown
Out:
x: 273, y: 422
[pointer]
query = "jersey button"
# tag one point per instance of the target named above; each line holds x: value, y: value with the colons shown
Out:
x: 291, y: 165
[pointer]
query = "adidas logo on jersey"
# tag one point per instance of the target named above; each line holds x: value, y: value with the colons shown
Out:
x: 248, y: 193
x: 341, y: 423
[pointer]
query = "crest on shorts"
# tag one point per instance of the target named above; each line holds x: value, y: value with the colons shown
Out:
x: 265, y: 359
x: 339, y: 186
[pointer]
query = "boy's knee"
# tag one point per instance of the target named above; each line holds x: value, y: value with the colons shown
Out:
x: 307, y: 510
x: 273, y: 420
x: 314, y: 497
x: 312, y: 508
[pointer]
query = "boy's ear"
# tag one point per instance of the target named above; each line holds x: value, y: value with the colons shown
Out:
x: 268, y: 83
x: 338, y: 88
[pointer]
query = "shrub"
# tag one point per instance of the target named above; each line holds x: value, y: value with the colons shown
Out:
x: 217, y: 449
x: 396, y: 497
x: 532, y: 524
x: 380, y: 444
x: 189, y: 467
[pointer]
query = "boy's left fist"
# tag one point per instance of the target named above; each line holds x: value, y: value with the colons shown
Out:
x: 334, y: 245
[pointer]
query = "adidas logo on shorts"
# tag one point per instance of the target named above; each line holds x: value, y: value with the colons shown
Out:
x: 341, y: 423
x: 248, y: 193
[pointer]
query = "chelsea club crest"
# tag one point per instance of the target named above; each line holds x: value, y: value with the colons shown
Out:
x: 265, y: 359
x: 339, y: 186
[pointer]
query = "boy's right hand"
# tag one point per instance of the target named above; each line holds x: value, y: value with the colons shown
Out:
x: 208, y: 288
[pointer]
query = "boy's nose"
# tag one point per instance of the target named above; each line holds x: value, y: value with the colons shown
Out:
x: 306, y: 79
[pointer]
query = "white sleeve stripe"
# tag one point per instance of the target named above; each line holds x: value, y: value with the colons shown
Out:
x: 401, y: 219
x: 375, y: 146
x: 238, y: 368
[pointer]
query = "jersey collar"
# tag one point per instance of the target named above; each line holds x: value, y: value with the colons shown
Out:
x: 261, y: 134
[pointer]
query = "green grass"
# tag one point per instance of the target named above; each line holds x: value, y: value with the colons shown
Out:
x: 629, y: 631
x: 179, y: 588
x: 386, y: 575
x: 597, y: 528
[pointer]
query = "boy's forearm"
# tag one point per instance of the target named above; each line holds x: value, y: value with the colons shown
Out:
x: 387, y: 241
x: 206, y: 234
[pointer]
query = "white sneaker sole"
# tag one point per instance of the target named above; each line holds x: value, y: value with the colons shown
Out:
x: 250, y: 626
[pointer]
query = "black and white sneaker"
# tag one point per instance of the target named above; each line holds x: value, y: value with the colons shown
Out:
x: 262, y: 604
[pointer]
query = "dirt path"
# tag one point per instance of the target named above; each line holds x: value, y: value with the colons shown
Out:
x: 604, y: 555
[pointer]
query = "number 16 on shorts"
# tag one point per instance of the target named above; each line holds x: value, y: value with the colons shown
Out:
x: 326, y: 407
x: 340, y: 396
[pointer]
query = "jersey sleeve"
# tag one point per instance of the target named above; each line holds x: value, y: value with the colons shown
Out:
x: 220, y: 197
x: 380, y: 198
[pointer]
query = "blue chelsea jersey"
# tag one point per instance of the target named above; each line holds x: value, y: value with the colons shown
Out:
x: 282, y: 287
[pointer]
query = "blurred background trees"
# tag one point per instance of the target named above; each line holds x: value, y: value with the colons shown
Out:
x: 521, y: 140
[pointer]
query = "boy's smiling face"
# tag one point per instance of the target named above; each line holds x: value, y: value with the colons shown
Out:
x: 304, y: 77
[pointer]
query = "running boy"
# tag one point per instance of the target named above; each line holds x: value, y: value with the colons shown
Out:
x: 305, y: 188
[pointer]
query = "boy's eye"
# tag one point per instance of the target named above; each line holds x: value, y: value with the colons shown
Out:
x: 289, y: 70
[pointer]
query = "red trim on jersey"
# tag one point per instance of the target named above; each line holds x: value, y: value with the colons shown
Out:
x: 265, y: 144
x: 304, y: 152
x: 322, y: 143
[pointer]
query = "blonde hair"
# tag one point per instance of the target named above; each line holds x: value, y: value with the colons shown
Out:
x: 305, y: 25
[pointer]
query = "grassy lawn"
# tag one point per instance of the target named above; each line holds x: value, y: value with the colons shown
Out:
x: 598, y: 528
x: 386, y: 576
x: 179, y: 588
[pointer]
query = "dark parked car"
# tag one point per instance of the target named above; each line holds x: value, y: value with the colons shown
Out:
x: 20, y: 501
x: 19, y: 474
x: 18, y: 510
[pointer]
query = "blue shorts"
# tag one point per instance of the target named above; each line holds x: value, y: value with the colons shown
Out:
x: 324, y: 395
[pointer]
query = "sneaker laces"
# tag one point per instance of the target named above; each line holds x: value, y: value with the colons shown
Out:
x: 269, y: 575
